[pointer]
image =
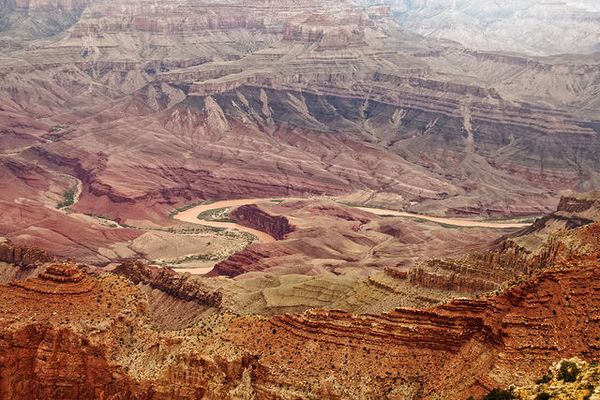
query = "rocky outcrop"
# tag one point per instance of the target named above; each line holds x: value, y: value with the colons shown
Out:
x: 328, y: 32
x: 536, y: 247
x: 451, y: 279
x: 23, y: 255
x: 515, y: 334
x: 168, y: 281
x: 253, y: 217
x: 76, y: 369
x: 582, y: 205
x: 98, y: 343
x: 253, y: 258
x: 449, y: 275
x: 565, y: 379
x: 59, y: 278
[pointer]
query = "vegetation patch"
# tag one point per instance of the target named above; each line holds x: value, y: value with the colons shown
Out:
x: 216, y: 215
x: 190, y: 258
x: 500, y: 394
x: 68, y: 199
x: 568, y: 371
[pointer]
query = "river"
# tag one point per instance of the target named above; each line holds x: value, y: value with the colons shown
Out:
x: 191, y: 216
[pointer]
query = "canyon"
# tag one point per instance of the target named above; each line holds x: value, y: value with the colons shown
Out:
x: 118, y: 341
x: 531, y: 27
x: 152, y: 116
x: 298, y: 199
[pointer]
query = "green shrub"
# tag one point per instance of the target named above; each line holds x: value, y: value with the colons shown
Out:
x: 500, y: 394
x: 216, y: 215
x: 543, y: 396
x: 544, y: 379
x: 69, y: 199
x: 568, y: 371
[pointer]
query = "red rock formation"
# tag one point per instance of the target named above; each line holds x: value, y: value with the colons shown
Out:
x: 170, y: 282
x: 22, y: 255
x: 75, y: 370
x: 67, y: 335
x: 59, y: 278
x: 459, y: 349
x: 252, y: 216
x: 331, y: 232
x: 255, y: 257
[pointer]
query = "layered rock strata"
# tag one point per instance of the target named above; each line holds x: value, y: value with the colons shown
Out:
x: 169, y: 282
x: 99, y: 339
x: 253, y: 217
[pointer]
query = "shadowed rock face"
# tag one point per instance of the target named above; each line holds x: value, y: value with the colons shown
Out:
x: 254, y: 217
x: 25, y: 256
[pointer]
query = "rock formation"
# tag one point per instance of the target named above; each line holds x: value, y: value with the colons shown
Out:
x: 95, y: 330
x: 25, y: 256
x: 115, y: 114
x: 170, y: 282
x: 254, y: 217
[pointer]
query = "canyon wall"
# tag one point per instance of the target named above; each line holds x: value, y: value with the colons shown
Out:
x: 22, y: 255
x: 252, y: 216
x: 462, y: 348
x: 169, y: 282
x: 98, y: 331
x: 516, y: 334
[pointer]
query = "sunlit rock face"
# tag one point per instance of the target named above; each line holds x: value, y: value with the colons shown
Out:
x: 535, y: 27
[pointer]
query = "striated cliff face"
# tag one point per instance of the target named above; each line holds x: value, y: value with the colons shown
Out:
x: 75, y: 369
x: 533, y: 248
x: 169, y: 282
x: 21, y: 255
x: 253, y: 217
x: 459, y: 349
x: 583, y: 206
x: 245, y: 99
x: 67, y: 335
x: 90, y: 337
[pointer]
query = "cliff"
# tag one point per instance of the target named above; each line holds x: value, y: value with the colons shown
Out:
x: 170, y: 282
x: 463, y: 348
x: 98, y: 332
x: 252, y: 216
x: 23, y: 255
